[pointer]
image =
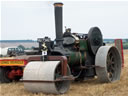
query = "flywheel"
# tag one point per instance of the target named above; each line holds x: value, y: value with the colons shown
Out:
x: 108, y: 64
x: 95, y: 39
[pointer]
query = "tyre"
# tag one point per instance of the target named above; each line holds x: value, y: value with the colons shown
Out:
x: 3, y: 75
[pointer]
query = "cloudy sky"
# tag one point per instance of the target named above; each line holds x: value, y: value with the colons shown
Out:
x: 35, y: 19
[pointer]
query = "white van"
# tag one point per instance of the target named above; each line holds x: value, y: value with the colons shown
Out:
x: 13, y: 50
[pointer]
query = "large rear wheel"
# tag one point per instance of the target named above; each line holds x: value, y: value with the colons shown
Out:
x: 108, y: 62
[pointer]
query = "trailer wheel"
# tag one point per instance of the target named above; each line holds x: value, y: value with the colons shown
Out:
x: 3, y: 75
x: 17, y: 78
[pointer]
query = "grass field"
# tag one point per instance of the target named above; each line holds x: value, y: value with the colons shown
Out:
x: 86, y: 88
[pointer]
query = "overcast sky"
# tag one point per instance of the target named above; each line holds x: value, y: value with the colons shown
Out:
x: 35, y: 19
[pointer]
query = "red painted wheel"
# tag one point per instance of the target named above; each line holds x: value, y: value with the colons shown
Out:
x: 3, y: 75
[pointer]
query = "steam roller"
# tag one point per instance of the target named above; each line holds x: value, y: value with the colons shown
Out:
x: 70, y: 57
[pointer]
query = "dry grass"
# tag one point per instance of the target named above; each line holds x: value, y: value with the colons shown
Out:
x: 86, y: 88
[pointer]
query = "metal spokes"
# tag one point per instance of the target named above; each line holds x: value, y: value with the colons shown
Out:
x: 110, y: 65
x: 108, y: 58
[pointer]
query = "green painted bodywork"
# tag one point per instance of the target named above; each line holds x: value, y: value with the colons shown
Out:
x: 83, y: 45
x: 74, y: 58
x: 77, y: 57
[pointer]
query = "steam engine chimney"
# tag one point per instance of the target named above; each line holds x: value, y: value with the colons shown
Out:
x: 58, y: 22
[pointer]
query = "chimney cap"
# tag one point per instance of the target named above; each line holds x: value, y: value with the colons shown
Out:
x: 59, y: 4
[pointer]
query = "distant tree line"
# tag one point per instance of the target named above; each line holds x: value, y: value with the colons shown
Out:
x: 13, y: 41
x: 125, y: 42
x: 24, y: 48
x: 125, y: 45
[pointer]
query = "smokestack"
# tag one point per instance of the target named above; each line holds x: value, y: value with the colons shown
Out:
x: 58, y: 22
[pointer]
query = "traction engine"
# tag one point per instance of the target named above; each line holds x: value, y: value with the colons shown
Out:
x: 71, y: 56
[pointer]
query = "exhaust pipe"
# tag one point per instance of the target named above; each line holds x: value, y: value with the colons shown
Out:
x: 58, y: 22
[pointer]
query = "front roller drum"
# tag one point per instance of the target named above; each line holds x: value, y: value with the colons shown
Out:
x: 47, y: 71
x: 108, y: 62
